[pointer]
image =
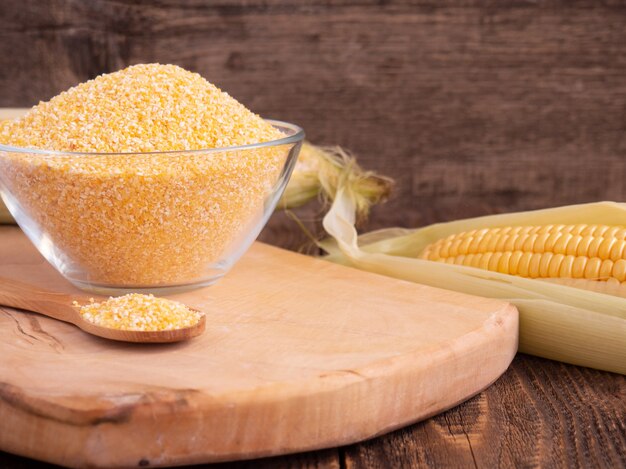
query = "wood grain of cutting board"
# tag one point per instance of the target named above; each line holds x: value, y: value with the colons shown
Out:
x: 298, y: 354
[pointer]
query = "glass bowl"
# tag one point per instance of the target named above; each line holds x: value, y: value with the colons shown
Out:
x: 156, y: 222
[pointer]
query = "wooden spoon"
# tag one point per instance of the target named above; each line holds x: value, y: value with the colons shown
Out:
x: 60, y: 306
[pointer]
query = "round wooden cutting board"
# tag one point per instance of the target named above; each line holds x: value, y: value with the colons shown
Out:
x: 298, y: 354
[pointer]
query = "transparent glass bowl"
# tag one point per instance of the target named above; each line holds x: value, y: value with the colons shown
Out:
x: 149, y: 222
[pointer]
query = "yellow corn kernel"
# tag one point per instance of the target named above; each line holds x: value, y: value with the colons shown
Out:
x: 594, y: 247
x: 561, y: 245
x: 617, y: 250
x: 509, y: 242
x: 493, y: 242
x: 572, y: 246
x: 529, y: 243
x: 544, y: 264
x: 475, y: 242
x: 525, y: 230
x: 566, y: 267
x: 444, y: 250
x: 465, y: 244
x: 592, y: 270
x: 534, y: 266
x: 524, y: 263
x: 514, y: 262
x: 621, y: 233
x: 576, y: 229
x: 494, y: 261
x: 612, y: 231
x: 552, y: 240
x: 540, y: 242
x: 454, y: 247
x: 619, y: 270
x: 600, y: 230
x: 578, y: 267
x: 555, y: 265
x: 605, y: 248
x: 483, y: 261
x: 485, y: 241
x: 435, y: 251
x: 503, y: 265
x: 547, y: 229
x: 605, y: 269
x: 583, y: 246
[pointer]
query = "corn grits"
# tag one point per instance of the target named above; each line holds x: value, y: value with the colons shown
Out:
x: 136, y: 312
x: 131, y: 218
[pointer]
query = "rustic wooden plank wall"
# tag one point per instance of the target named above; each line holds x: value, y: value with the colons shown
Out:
x: 474, y: 107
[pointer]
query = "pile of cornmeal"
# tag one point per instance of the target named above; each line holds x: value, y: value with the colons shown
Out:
x: 126, y: 217
x: 136, y: 312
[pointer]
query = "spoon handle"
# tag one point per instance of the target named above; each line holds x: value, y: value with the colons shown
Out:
x: 20, y: 295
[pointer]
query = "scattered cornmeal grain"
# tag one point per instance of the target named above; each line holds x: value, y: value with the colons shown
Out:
x: 136, y: 312
x: 139, y: 219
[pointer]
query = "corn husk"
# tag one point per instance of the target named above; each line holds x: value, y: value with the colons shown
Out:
x: 320, y: 171
x: 557, y: 321
x: 608, y: 288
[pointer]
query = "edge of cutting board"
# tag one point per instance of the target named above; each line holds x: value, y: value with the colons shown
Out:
x: 126, y: 429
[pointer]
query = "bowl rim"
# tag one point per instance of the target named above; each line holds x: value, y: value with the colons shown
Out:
x: 297, y: 136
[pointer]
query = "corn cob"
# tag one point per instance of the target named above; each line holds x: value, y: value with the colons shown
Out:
x: 592, y: 252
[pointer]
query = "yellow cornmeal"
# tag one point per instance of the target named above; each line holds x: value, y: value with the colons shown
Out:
x: 136, y: 312
x: 137, y: 219
x: 148, y: 107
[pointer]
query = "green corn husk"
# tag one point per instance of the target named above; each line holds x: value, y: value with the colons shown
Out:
x: 557, y: 321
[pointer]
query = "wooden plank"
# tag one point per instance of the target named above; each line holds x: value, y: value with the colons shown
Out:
x: 474, y: 107
x: 290, y: 339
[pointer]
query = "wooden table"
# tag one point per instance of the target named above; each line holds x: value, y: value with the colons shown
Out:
x: 541, y: 413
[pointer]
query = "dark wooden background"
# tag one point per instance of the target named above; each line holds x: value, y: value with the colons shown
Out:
x: 473, y: 107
